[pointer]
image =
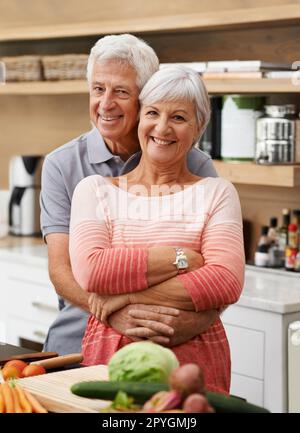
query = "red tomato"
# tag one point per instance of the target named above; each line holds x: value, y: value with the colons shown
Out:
x: 11, y: 372
x: 33, y: 370
x: 20, y: 365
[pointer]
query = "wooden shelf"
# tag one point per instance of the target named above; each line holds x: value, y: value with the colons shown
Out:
x: 253, y: 174
x: 224, y: 19
x: 264, y: 85
x: 45, y: 88
x: 214, y: 86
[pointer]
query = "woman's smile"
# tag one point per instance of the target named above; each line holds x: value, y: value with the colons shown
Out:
x: 161, y: 141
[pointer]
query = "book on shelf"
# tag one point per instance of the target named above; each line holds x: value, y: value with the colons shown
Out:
x: 246, y: 66
x: 282, y: 74
x: 232, y: 75
x: 196, y: 66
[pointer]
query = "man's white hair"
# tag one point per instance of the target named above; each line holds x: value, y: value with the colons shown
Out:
x: 127, y: 49
x: 177, y: 82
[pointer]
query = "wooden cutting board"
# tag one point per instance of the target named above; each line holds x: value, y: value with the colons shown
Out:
x: 53, y: 389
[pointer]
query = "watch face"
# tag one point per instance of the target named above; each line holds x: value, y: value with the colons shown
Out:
x: 182, y: 263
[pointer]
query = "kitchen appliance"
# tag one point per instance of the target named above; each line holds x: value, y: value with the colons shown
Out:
x: 294, y: 367
x: 275, y: 135
x: 239, y: 115
x: 24, y: 187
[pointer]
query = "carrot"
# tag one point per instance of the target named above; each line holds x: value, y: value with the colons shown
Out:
x: 2, y: 406
x: 36, y: 405
x: 8, y: 398
x: 17, y: 402
x: 25, y: 405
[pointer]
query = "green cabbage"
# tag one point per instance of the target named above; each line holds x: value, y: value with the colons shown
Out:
x: 142, y: 362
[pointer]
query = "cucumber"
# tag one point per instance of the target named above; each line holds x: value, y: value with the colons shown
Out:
x: 231, y: 404
x: 140, y: 391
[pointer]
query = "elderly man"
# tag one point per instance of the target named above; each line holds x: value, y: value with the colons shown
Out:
x: 118, y: 68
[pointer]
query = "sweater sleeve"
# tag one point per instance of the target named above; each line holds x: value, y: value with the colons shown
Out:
x: 96, y: 265
x: 220, y: 281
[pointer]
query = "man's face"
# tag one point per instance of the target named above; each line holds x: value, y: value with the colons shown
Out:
x: 114, y: 101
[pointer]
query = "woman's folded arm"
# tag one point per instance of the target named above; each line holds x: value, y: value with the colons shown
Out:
x: 101, y: 269
x: 220, y: 280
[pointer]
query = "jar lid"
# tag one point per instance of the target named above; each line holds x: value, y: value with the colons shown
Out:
x: 275, y: 110
x: 290, y: 108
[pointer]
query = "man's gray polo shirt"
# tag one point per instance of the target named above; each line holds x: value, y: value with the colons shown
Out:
x: 62, y: 170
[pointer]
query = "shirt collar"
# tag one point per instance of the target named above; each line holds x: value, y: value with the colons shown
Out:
x: 96, y: 147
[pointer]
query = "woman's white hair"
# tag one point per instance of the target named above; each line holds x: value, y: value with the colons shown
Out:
x: 172, y: 83
x: 127, y: 49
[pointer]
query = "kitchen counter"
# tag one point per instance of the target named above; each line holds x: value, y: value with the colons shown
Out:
x: 270, y: 290
x: 24, y: 250
x: 17, y: 241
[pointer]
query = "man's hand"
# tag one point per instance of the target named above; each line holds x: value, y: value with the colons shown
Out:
x: 152, y: 325
x: 185, y: 325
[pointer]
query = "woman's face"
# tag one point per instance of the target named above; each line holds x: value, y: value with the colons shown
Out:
x: 114, y: 100
x: 167, y: 130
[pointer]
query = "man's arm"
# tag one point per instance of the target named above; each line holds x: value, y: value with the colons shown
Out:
x: 186, y: 325
x: 162, y: 326
x: 60, y: 271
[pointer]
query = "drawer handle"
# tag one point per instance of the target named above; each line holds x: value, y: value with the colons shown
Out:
x: 40, y: 334
x: 43, y: 306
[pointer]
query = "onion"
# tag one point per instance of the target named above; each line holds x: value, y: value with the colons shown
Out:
x: 187, y: 379
x: 197, y: 403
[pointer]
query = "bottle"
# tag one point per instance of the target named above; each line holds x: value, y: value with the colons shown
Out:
x: 274, y: 250
x: 272, y: 232
x: 296, y: 213
x: 297, y: 262
x: 261, y: 257
x: 283, y: 234
x: 291, y: 249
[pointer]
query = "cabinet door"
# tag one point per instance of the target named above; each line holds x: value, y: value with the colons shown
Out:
x: 247, y: 387
x: 3, y: 302
x: 247, y: 351
x: 30, y: 330
x: 34, y: 300
x: 30, y: 299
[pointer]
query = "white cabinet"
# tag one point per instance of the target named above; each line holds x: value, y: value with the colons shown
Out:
x: 29, y: 304
x: 258, y: 344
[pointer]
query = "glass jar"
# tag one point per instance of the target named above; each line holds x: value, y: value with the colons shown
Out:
x: 275, y: 135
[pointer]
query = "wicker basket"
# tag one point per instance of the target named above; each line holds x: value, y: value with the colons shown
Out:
x: 23, y: 68
x: 65, y: 67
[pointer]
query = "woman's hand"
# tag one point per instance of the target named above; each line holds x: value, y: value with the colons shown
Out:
x: 102, y: 306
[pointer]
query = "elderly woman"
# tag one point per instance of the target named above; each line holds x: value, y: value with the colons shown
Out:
x: 131, y: 235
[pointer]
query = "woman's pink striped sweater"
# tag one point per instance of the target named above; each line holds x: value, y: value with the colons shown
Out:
x: 110, y: 232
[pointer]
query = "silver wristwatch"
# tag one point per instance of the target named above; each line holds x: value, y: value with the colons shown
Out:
x: 181, y: 261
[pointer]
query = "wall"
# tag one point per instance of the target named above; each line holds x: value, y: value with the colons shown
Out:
x: 38, y: 124
x: 56, y: 12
